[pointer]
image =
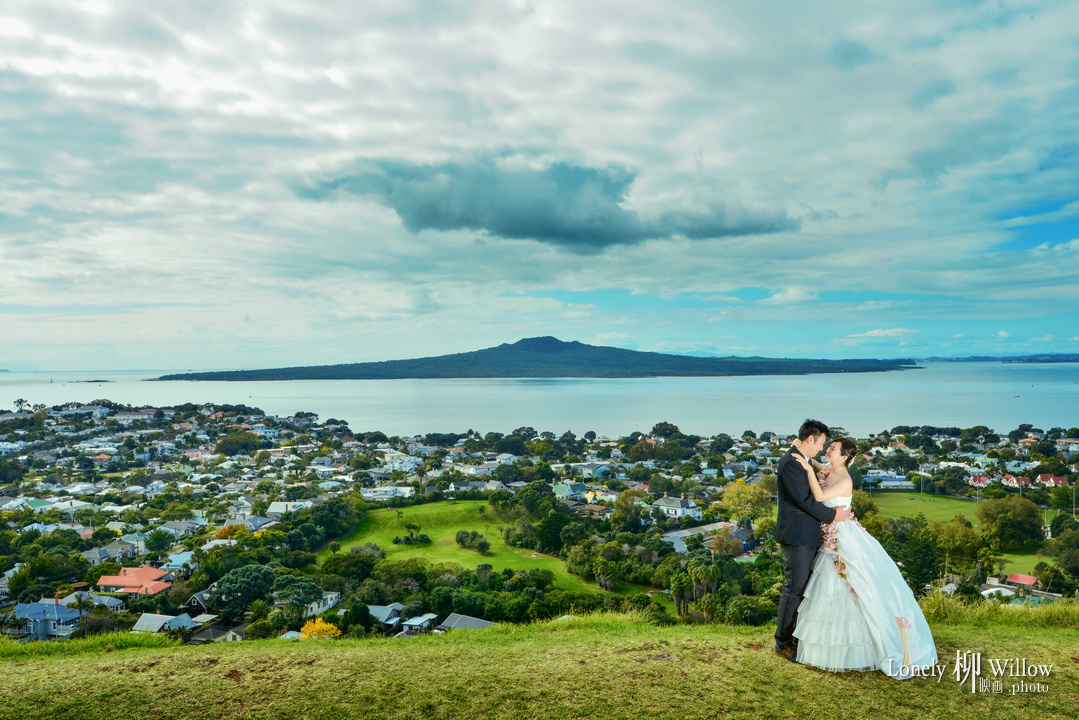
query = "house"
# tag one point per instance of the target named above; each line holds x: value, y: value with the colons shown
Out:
x: 1052, y: 481
x: 570, y: 491
x: 1020, y: 482
x: 236, y: 634
x: 254, y: 523
x: 677, y: 507
x: 114, y: 604
x: 200, y: 601
x: 120, y: 550
x: 328, y: 601
x: 176, y: 561
x: 156, y: 622
x: 136, y: 582
x: 1027, y: 581
x: 677, y: 538
x: 279, y: 508
x: 47, y: 620
x: 388, y: 616
x: 978, y: 481
x: 215, y: 633
x: 457, y: 621
x: 600, y: 511
x: 416, y: 625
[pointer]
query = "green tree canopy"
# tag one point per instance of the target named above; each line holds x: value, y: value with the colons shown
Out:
x: 240, y: 586
x: 1010, y: 522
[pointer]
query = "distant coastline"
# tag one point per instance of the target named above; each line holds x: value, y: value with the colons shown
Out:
x: 548, y: 357
x: 1036, y: 358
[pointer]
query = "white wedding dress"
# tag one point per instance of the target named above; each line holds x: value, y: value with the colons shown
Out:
x: 857, y: 612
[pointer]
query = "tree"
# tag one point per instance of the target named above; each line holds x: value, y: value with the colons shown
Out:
x: 753, y: 500
x: 1065, y: 551
x: 664, y: 430
x: 680, y: 586
x: 354, y: 566
x: 259, y: 608
x: 239, y: 443
x: 297, y: 593
x: 158, y: 540
x: 627, y: 513
x: 956, y: 539
x: 239, y: 587
x: 1010, y: 522
x: 862, y: 503
x: 318, y: 629
x: 335, y: 547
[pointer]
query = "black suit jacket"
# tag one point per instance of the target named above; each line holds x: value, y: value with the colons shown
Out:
x: 800, y: 516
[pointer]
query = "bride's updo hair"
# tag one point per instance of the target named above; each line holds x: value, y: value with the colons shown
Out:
x: 847, y: 448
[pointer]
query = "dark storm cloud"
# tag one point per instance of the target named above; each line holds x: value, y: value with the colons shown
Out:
x: 573, y: 206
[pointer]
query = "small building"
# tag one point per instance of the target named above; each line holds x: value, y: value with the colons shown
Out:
x: 678, y: 507
x: 457, y: 621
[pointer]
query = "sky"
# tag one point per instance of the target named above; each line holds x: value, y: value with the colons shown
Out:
x: 215, y: 185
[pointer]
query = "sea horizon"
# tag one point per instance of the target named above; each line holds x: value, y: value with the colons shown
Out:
x: 946, y: 394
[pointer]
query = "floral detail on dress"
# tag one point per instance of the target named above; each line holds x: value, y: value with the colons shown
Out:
x: 904, y: 625
x: 840, y: 567
x: 829, y: 538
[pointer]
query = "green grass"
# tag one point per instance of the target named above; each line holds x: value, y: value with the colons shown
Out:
x: 442, y: 520
x: 936, y: 507
x: 608, y: 666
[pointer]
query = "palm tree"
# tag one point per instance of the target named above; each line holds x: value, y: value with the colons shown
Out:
x: 84, y: 604
x: 258, y: 609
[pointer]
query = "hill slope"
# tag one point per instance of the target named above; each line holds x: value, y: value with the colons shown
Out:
x: 550, y: 357
x: 607, y: 666
x: 442, y: 520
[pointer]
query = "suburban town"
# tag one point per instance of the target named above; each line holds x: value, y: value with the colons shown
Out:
x: 217, y: 523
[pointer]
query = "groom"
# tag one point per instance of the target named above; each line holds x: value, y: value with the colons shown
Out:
x: 798, y: 530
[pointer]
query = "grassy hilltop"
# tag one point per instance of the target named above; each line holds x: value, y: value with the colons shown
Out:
x: 609, y: 666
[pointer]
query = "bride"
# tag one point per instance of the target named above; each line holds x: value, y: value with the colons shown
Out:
x: 857, y: 612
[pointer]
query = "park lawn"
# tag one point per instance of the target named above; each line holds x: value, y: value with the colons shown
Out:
x: 441, y: 521
x: 935, y: 507
x: 1019, y: 560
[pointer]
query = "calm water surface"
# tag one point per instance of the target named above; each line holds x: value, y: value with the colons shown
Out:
x: 998, y: 395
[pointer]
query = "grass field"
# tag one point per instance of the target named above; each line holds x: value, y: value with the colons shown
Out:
x: 604, y: 666
x: 935, y: 507
x: 442, y: 520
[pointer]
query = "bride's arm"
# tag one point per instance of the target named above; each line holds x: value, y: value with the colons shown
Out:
x: 820, y: 495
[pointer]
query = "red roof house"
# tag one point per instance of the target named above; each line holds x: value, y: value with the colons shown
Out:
x: 138, y: 581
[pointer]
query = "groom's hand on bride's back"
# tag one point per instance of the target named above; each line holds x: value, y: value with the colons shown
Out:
x: 843, y: 513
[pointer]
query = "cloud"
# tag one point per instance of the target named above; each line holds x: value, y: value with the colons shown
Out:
x: 933, y: 91
x: 847, y: 55
x: 1002, y: 335
x: 891, y: 332
x: 957, y: 336
x: 1044, y: 338
x: 577, y: 207
x: 789, y: 296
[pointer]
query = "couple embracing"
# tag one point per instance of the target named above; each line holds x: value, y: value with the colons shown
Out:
x: 844, y: 604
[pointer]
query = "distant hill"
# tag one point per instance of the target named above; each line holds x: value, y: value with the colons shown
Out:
x: 1036, y: 358
x: 548, y: 357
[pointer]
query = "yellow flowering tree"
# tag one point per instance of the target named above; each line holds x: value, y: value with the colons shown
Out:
x: 319, y: 628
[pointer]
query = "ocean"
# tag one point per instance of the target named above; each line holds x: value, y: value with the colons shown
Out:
x: 998, y: 395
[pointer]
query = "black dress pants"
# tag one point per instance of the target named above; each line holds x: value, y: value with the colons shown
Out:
x: 798, y: 561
